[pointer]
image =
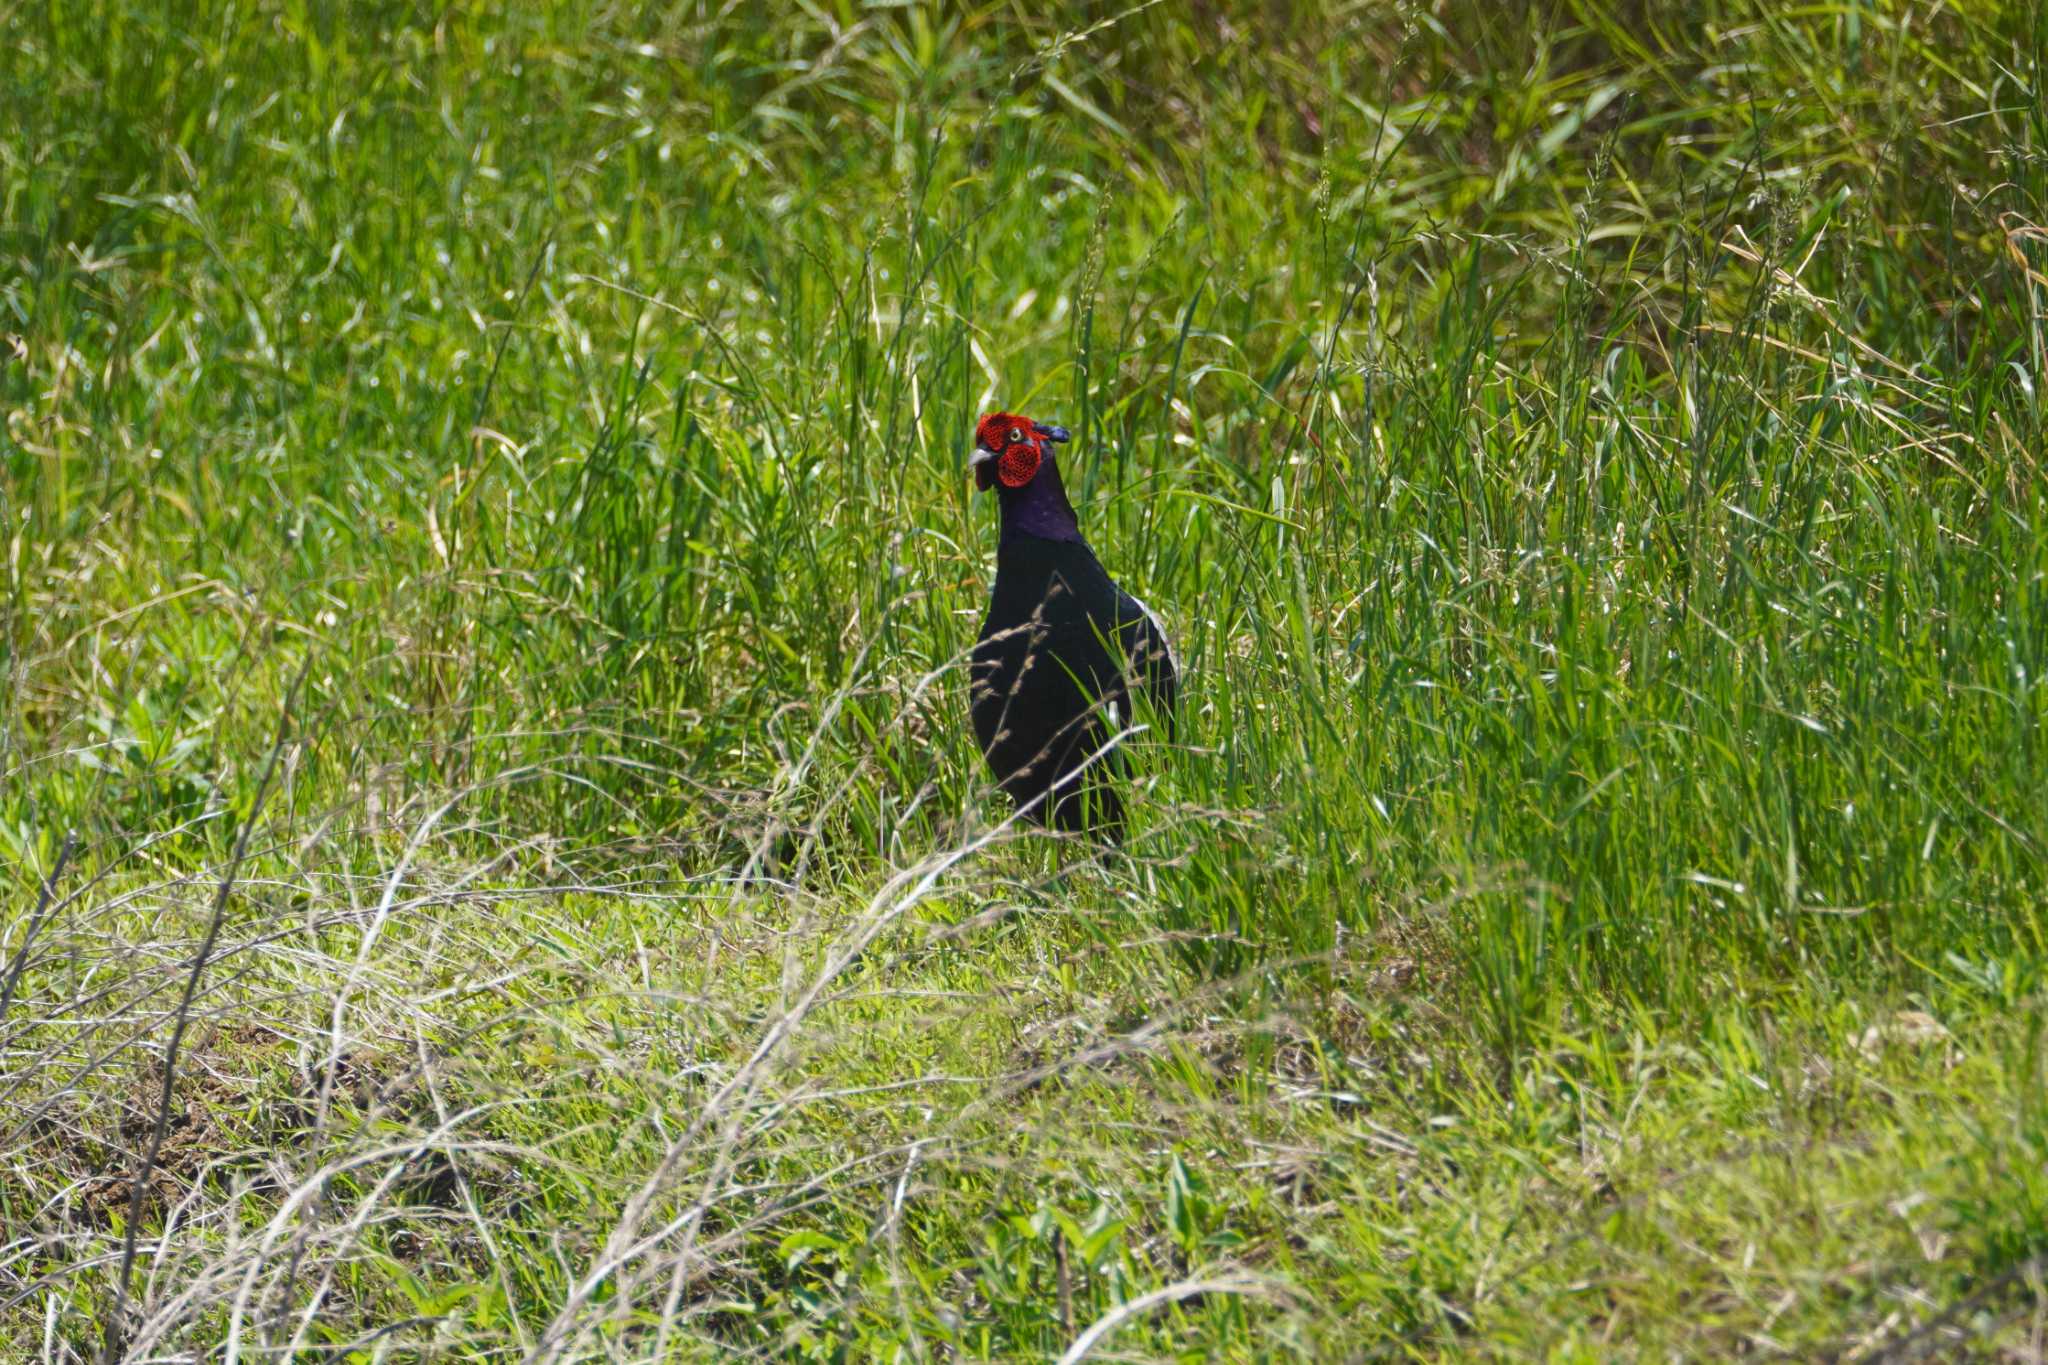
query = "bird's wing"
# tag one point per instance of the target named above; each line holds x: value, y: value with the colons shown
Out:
x: 1151, y: 654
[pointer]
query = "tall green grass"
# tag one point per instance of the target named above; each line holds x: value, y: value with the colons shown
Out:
x: 1590, y: 460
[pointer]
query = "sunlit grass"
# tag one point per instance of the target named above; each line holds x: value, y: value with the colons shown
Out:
x: 1590, y: 464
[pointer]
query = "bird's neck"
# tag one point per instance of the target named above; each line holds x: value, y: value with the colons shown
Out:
x: 1040, y: 508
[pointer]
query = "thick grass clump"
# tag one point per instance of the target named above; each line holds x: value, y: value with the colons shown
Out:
x: 498, y: 866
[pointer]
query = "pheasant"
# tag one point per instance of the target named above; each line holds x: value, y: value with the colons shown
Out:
x: 1051, y: 677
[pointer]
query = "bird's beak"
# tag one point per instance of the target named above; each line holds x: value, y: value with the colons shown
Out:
x: 982, y: 462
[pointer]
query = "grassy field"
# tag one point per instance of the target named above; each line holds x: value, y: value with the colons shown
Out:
x: 494, y: 863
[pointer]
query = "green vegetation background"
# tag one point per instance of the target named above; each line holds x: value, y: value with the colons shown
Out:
x: 487, y: 559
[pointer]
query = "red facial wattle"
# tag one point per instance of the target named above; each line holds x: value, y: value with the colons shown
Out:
x: 1016, y: 446
x: 996, y: 431
x: 1019, y: 464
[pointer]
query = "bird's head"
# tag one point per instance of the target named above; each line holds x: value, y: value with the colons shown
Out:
x: 1009, y: 450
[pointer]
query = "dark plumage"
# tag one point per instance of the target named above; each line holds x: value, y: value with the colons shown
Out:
x: 1051, y: 675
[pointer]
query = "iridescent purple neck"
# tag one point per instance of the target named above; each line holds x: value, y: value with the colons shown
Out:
x: 1040, y: 508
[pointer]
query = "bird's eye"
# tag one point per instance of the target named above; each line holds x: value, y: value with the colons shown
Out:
x: 1016, y: 434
